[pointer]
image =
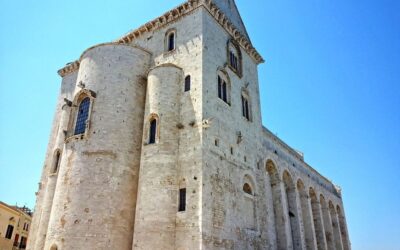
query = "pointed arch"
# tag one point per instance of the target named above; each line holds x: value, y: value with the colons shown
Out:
x: 308, y: 224
x: 291, y: 198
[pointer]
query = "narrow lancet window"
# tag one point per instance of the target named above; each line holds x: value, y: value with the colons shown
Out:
x: 153, y: 131
x: 245, y: 107
x: 171, y: 41
x: 182, y: 200
x: 83, y: 114
x: 187, y: 83
x: 223, y: 89
x: 56, y: 162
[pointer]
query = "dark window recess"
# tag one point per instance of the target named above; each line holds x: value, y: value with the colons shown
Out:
x: 187, y: 83
x: 247, y: 189
x: 182, y: 200
x: 171, y: 42
x: 219, y: 87
x: 9, y: 231
x: 22, y: 244
x: 222, y: 90
x: 153, y: 131
x: 245, y: 108
x: 16, y: 240
x: 233, y: 60
x: 83, y: 114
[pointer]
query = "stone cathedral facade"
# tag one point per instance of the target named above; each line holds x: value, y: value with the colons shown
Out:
x: 157, y: 144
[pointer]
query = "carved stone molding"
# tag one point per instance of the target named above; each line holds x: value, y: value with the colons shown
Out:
x: 172, y: 16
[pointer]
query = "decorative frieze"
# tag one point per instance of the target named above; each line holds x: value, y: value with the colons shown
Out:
x: 175, y: 14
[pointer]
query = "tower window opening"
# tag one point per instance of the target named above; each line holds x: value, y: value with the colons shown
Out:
x: 153, y: 131
x: 233, y: 60
x: 223, y: 90
x: 83, y: 114
x: 187, y: 83
x: 182, y: 200
x: 171, y: 41
x: 245, y: 107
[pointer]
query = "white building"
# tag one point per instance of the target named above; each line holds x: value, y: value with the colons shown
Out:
x: 157, y: 143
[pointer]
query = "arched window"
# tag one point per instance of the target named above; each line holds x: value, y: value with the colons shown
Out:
x: 170, y: 40
x: 246, y: 107
x: 247, y: 189
x: 82, y: 117
x: 54, y: 247
x: 223, y: 87
x: 153, y: 131
x: 187, y: 83
x: 56, y: 162
x: 234, y: 57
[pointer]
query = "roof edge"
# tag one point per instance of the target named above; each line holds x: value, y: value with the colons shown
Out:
x: 173, y: 15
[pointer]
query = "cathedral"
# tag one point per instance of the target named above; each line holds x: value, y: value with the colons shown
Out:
x: 157, y: 144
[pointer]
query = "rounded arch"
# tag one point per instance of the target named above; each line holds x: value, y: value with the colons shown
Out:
x: 276, y: 189
x: 306, y: 215
x: 335, y: 225
x: 327, y: 222
x: 248, y: 184
x: 272, y: 171
x: 80, y: 112
x: 187, y: 83
x: 224, y: 86
x: 288, y: 181
x: 153, y: 128
x: 54, y: 247
x: 343, y: 228
x: 170, y: 40
x: 317, y: 218
x: 291, y: 198
x: 300, y: 185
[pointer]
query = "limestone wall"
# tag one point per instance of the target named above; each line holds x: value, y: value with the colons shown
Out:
x: 95, y: 197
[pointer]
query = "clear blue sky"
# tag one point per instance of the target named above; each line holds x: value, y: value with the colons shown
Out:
x: 330, y: 87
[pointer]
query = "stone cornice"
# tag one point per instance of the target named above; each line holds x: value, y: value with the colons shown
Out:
x: 69, y: 68
x: 175, y: 14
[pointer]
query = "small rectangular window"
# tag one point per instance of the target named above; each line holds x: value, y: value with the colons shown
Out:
x: 9, y: 232
x: 182, y: 199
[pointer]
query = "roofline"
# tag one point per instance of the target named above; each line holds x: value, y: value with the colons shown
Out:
x: 14, y: 209
x: 171, y: 16
x: 300, y: 157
